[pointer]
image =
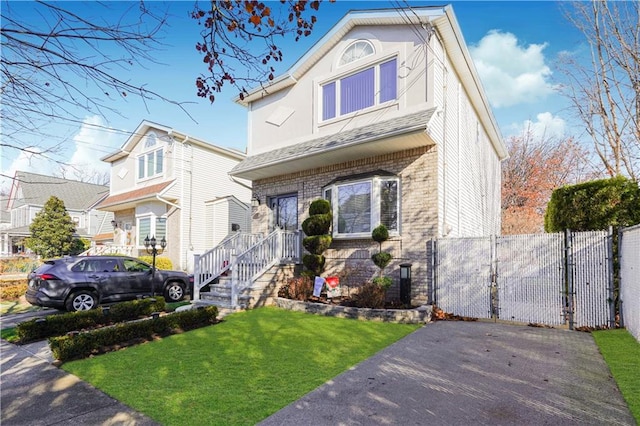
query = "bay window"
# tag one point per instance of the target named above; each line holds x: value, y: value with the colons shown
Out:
x: 151, y: 226
x: 361, y: 204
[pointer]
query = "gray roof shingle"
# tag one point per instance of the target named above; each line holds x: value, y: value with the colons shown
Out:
x: 369, y: 133
x: 37, y: 189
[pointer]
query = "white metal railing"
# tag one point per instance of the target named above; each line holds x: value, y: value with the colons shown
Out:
x: 109, y: 249
x: 217, y: 261
x: 249, y: 265
x: 247, y: 256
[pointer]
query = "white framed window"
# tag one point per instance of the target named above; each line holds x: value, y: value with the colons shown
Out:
x: 151, y: 226
x: 361, y: 204
x: 355, y: 51
x: 151, y: 162
x: 364, y: 88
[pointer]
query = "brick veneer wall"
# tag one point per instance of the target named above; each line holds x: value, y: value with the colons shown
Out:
x: 351, y: 259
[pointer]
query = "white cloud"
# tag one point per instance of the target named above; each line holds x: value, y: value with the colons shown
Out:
x: 511, y: 73
x: 29, y: 160
x: 546, y: 126
x: 93, y: 141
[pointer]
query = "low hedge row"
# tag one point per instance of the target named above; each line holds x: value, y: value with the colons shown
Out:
x: 57, y: 325
x: 12, y: 291
x: 81, y: 345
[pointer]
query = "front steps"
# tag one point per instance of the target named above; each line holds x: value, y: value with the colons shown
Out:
x: 262, y: 293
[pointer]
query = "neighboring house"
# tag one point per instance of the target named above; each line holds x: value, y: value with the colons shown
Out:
x: 385, y: 117
x: 166, y: 184
x: 30, y: 192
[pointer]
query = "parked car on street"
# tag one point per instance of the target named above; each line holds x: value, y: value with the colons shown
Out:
x: 80, y: 283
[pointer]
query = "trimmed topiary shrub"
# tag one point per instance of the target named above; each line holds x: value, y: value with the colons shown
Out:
x: 317, y: 244
x: 320, y: 206
x: 381, y: 259
x: 314, y: 263
x: 318, y: 224
x: 594, y: 206
x: 316, y: 227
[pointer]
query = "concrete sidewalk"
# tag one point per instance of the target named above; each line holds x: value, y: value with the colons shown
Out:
x: 34, y: 392
x: 470, y: 373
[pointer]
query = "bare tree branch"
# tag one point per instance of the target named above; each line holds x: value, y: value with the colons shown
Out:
x: 605, y: 93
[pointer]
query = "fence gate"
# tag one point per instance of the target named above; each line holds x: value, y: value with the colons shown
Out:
x: 530, y: 278
x: 539, y: 278
x: 464, y: 264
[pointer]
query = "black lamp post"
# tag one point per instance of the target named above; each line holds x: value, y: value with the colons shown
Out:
x: 150, y: 245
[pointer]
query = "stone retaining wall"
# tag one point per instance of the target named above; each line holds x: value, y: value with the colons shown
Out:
x: 419, y: 315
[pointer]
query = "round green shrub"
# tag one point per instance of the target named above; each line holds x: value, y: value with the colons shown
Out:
x: 163, y: 263
x: 317, y: 244
x: 381, y: 259
x: 318, y: 224
x: 314, y: 263
x: 380, y: 234
x: 319, y: 207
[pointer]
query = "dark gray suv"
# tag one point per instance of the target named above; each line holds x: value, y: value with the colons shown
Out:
x: 80, y: 283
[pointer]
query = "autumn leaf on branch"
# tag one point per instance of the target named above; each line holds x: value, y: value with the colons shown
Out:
x: 239, y: 46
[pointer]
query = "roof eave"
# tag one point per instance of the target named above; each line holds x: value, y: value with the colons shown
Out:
x: 403, y: 140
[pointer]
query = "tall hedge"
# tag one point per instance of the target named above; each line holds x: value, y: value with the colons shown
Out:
x: 594, y: 205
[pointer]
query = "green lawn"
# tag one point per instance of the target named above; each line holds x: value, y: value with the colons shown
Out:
x: 239, y: 371
x: 621, y: 351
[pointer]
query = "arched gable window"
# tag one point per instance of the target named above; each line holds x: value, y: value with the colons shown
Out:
x: 355, y: 51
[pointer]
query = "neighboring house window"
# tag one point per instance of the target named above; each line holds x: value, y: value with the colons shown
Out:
x: 365, y: 88
x: 150, y: 163
x: 151, y: 226
x: 361, y: 204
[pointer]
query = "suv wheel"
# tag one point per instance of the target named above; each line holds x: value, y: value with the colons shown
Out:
x: 82, y: 301
x: 173, y: 292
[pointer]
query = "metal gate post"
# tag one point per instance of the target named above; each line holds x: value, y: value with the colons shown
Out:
x: 495, y: 302
x: 569, y: 276
x: 611, y: 279
x: 434, y: 271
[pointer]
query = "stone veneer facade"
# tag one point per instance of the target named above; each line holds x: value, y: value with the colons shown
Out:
x: 351, y: 258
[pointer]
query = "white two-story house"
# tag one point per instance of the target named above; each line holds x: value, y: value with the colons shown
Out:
x: 386, y: 118
x: 166, y: 184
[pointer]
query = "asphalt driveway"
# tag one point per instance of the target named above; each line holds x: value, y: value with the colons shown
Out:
x: 470, y: 373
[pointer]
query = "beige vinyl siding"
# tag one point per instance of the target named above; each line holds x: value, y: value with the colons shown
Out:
x: 302, y: 99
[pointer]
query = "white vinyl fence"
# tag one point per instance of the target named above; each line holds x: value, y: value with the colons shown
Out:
x: 630, y: 279
x: 550, y: 279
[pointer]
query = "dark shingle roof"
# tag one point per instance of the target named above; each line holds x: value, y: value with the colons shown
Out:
x: 37, y: 189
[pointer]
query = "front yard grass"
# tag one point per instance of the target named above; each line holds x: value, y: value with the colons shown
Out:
x: 621, y: 352
x: 239, y: 371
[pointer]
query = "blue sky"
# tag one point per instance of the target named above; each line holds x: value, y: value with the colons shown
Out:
x: 514, y: 45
